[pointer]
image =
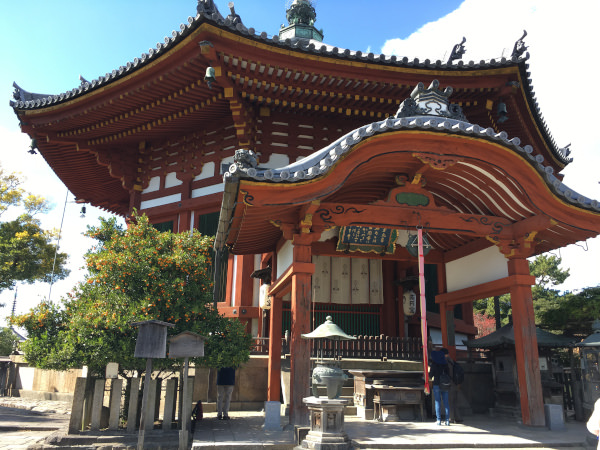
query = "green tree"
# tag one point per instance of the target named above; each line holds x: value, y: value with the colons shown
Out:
x: 548, y: 273
x: 134, y: 275
x: 574, y: 313
x: 8, y: 341
x: 27, y: 253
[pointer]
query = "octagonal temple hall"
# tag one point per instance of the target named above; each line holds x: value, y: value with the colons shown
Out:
x: 344, y: 181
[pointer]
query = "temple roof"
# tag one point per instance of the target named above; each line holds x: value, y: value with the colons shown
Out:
x: 24, y: 100
x: 474, y: 177
x: 505, y: 336
x: 97, y: 137
x: 321, y: 161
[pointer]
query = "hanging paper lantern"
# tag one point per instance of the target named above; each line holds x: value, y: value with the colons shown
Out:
x: 265, y: 298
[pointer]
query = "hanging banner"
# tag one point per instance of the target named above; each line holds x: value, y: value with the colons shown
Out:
x: 367, y: 239
x: 423, y: 311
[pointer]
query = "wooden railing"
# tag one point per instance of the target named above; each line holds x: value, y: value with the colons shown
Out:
x: 363, y: 347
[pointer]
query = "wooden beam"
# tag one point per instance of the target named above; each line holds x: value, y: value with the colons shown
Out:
x: 484, y: 290
x: 439, y: 220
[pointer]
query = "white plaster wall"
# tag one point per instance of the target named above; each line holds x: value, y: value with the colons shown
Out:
x: 171, y: 180
x: 153, y: 185
x: 160, y: 201
x: 208, y: 170
x: 26, y: 375
x: 459, y: 338
x: 285, y: 257
x: 481, y: 267
x: 207, y: 190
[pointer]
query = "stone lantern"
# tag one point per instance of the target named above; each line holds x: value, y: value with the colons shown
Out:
x: 590, y: 368
x: 327, y: 414
x: 328, y: 373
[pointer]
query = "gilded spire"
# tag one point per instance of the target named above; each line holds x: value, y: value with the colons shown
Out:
x: 301, y: 17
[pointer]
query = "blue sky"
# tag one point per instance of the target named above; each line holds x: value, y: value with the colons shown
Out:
x: 48, y: 44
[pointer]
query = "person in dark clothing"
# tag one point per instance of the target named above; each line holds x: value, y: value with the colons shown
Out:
x: 225, y: 385
x: 441, y: 381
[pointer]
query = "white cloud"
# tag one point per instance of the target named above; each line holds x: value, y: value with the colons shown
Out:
x: 562, y: 38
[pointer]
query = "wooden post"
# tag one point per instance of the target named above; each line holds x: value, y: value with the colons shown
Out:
x: 169, y: 408
x: 300, y: 348
x: 134, y: 398
x: 144, y: 416
x: 274, y: 374
x: 526, y: 347
x: 116, y: 387
x: 76, y: 419
x: 97, y: 404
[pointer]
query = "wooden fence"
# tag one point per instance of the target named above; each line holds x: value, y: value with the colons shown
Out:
x: 363, y: 347
x: 100, y: 404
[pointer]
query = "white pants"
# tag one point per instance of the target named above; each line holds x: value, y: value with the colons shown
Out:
x: 224, y: 398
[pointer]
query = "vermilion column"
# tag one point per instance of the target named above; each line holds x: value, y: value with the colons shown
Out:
x: 274, y: 382
x: 299, y: 347
x: 526, y: 347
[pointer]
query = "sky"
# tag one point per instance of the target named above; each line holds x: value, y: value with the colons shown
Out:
x: 49, y: 44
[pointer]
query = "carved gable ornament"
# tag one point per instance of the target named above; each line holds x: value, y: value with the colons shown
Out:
x: 408, y: 193
x: 430, y: 102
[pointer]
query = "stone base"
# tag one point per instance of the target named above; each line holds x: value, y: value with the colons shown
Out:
x: 326, y: 443
x: 389, y: 413
x: 555, y: 419
x: 326, y: 425
x: 365, y: 413
x: 272, y: 416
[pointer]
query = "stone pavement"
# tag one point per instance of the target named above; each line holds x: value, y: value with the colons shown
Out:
x: 25, y: 423
x: 42, y: 425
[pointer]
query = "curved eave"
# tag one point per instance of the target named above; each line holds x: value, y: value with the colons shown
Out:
x: 162, y: 93
x: 88, y: 181
x: 28, y: 101
x: 489, y: 176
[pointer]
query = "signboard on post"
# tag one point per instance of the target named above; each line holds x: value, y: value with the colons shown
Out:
x: 186, y: 345
x: 151, y: 343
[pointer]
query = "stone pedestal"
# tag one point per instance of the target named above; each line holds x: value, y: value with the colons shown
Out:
x: 555, y: 417
x: 273, y: 416
x: 326, y: 425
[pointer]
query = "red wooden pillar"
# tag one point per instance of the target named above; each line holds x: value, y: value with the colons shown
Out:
x: 274, y: 382
x: 526, y: 347
x: 135, y: 199
x: 303, y: 268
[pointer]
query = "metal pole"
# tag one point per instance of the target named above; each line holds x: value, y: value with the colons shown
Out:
x: 143, y: 417
x: 57, y: 247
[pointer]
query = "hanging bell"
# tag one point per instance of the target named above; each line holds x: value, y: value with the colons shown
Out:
x: 209, y: 77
